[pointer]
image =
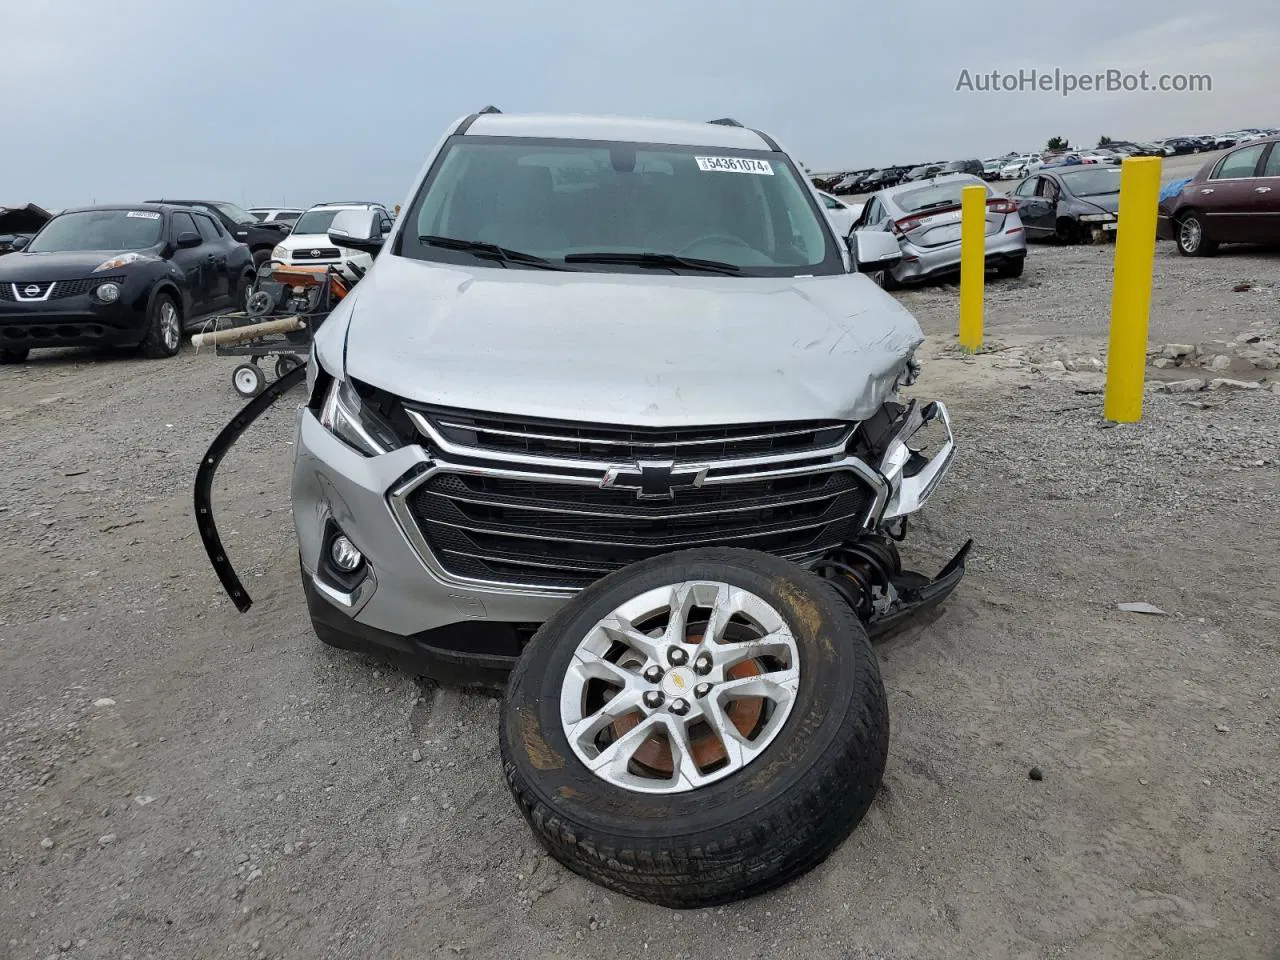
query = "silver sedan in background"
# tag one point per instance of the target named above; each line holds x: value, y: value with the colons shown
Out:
x: 925, y: 217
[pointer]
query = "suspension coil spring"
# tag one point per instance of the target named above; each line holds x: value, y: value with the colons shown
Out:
x: 859, y: 568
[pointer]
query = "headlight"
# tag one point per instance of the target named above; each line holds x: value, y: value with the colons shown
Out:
x: 116, y: 262
x: 108, y: 292
x: 344, y: 415
x: 1096, y: 217
x: 910, y: 372
x: 278, y: 252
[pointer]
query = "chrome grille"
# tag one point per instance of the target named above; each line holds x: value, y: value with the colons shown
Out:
x: 318, y: 253
x: 552, y: 438
x: 11, y: 292
x: 538, y: 515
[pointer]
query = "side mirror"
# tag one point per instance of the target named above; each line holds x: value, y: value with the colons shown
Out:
x: 874, y: 250
x: 188, y: 239
x: 357, y: 230
x: 19, y: 242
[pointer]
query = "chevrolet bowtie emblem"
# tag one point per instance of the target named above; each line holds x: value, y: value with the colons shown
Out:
x: 654, y: 479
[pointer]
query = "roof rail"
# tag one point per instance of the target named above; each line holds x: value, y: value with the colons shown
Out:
x: 726, y: 122
x: 466, y: 124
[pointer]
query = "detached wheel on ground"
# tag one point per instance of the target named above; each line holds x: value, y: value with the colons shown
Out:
x: 696, y: 728
x: 1192, y: 242
x: 164, y: 329
x: 14, y: 356
x: 248, y: 379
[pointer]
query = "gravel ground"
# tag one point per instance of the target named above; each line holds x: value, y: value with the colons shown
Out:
x: 177, y: 779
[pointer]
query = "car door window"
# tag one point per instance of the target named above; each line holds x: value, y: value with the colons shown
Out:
x: 1272, y: 166
x: 831, y: 203
x: 1046, y: 188
x: 874, y: 213
x: 182, y: 223
x: 1027, y: 188
x: 208, y: 232
x: 1240, y: 164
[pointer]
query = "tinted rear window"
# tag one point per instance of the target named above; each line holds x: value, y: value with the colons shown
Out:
x: 936, y: 195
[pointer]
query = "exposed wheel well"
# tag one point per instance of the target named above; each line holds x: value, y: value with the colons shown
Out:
x: 174, y: 294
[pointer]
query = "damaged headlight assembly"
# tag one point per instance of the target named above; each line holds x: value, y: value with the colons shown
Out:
x: 345, y: 415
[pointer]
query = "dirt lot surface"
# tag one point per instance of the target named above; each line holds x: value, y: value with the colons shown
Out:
x: 180, y: 780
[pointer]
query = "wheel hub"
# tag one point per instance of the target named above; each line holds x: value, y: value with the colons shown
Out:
x: 678, y: 682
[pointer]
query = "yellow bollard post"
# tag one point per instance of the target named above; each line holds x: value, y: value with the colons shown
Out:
x: 1131, y: 290
x: 973, y: 264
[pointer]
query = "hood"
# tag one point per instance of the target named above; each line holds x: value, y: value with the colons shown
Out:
x: 634, y: 349
x: 67, y: 265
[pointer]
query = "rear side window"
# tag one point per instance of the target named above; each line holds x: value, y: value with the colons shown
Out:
x: 1272, y: 168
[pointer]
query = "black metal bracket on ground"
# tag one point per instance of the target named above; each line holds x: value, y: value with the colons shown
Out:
x: 204, y: 482
x: 917, y: 593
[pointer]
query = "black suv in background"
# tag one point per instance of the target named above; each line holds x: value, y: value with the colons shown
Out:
x: 129, y: 276
x: 259, y: 237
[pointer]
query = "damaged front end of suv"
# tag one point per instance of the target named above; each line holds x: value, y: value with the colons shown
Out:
x: 490, y: 428
x: 618, y: 419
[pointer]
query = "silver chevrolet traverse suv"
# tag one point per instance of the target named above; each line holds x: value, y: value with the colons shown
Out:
x: 588, y: 342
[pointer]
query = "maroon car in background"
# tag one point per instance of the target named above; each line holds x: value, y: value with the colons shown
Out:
x: 1234, y: 198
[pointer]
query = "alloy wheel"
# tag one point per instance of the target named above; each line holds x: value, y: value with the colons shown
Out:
x: 1190, y: 234
x: 680, y: 687
x: 170, y: 328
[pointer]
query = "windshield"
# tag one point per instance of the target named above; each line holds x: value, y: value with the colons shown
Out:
x: 938, y: 195
x: 570, y: 198
x: 315, y: 221
x: 99, y: 230
x: 236, y: 214
x: 1091, y: 183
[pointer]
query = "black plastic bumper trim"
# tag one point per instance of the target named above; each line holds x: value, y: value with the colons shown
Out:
x: 224, y: 441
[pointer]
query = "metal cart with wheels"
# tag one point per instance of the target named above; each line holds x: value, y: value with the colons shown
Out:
x: 281, y: 312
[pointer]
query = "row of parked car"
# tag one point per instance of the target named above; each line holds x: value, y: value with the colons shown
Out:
x: 1015, y: 166
x: 138, y: 275
x: 1233, y: 198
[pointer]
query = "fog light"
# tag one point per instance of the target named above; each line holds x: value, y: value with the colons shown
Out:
x: 344, y: 555
x: 108, y: 292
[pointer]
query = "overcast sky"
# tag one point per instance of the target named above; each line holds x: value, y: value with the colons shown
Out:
x: 302, y: 101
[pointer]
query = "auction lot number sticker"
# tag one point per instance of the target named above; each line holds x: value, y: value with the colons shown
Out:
x: 734, y: 165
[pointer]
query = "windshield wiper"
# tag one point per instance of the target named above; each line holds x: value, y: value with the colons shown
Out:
x: 935, y: 205
x: 667, y: 260
x: 491, y: 251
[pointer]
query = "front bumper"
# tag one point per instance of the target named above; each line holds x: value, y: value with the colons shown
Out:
x: 79, y: 321
x: 402, y: 604
x: 340, y: 263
